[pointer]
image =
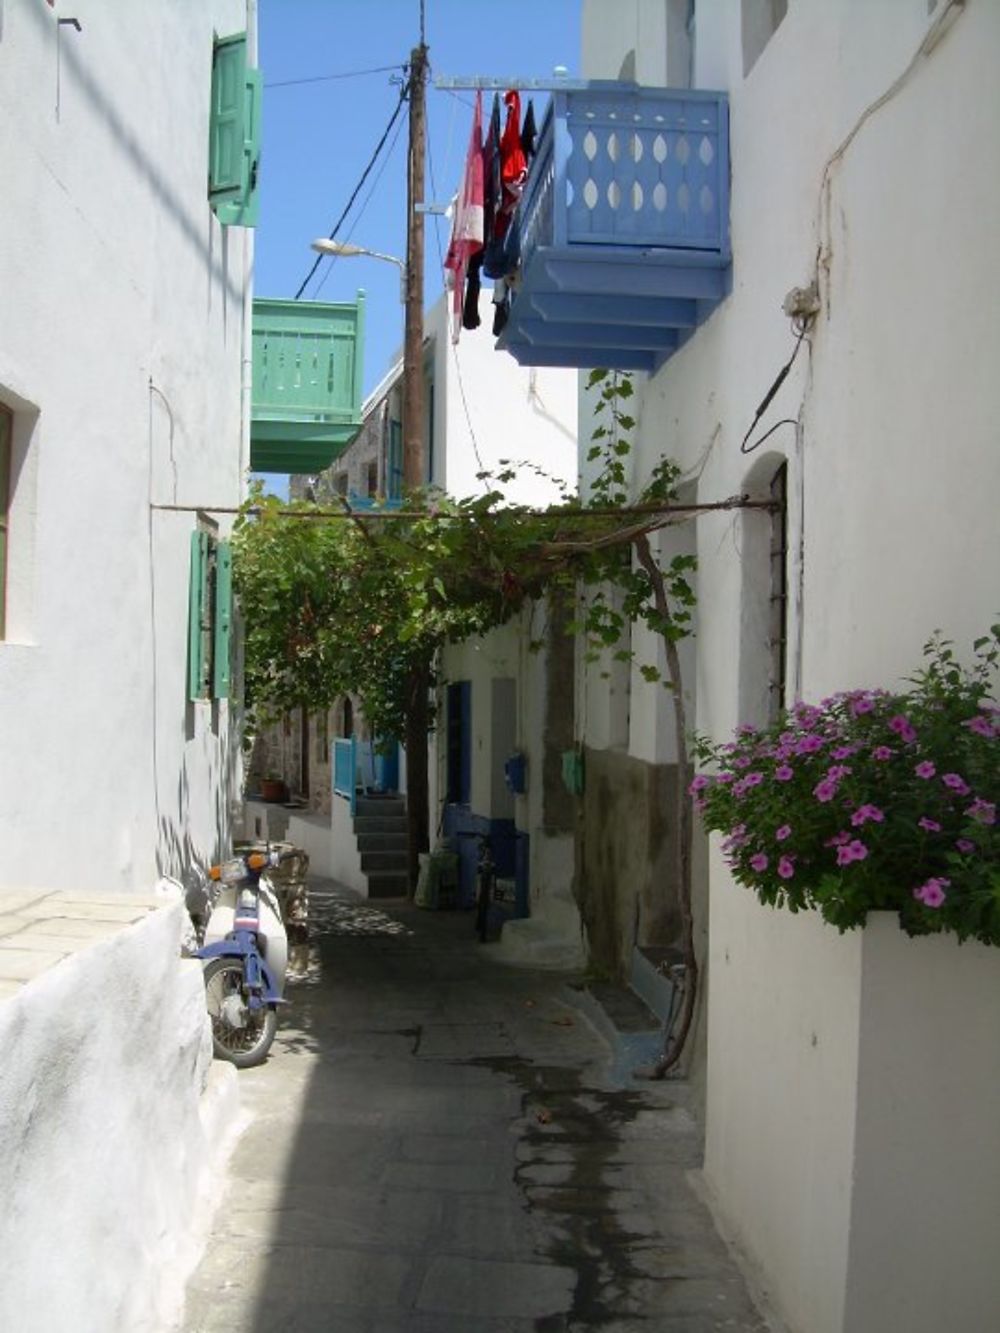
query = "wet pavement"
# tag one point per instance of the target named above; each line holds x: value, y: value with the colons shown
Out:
x: 435, y: 1146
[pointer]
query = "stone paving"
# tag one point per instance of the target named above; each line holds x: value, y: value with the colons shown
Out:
x: 40, y: 928
x: 435, y: 1147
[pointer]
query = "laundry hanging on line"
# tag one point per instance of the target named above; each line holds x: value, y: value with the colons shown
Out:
x: 484, y: 236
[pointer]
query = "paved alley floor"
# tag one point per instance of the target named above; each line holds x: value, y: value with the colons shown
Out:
x: 434, y: 1147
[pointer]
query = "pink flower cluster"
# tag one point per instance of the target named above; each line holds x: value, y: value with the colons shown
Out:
x: 932, y: 892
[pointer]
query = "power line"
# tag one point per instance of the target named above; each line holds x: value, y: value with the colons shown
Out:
x: 386, y: 159
x: 323, y: 78
x: 403, y: 93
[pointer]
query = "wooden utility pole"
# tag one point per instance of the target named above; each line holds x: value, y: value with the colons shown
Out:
x: 414, y: 450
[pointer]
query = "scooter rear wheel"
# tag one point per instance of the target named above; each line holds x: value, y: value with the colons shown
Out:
x: 246, y: 1041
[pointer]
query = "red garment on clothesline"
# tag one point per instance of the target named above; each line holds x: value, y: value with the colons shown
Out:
x: 467, y: 224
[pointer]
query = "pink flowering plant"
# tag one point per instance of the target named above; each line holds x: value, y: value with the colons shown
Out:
x: 872, y: 799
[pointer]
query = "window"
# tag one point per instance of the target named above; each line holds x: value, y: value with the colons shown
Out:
x: 210, y: 613
x: 6, y: 434
x: 759, y: 20
x: 372, y: 484
x: 340, y: 483
x: 234, y: 134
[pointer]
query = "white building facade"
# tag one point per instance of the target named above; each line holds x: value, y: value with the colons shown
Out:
x: 852, y: 1094
x: 127, y: 153
x: 122, y: 388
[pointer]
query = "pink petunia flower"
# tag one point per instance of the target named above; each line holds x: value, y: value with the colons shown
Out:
x: 786, y: 867
x: 903, y: 728
x: 925, y: 769
x: 981, y: 725
x: 983, y: 812
x: 825, y: 790
x: 758, y: 861
x: 965, y: 846
x: 957, y: 783
x: 782, y: 833
x: 698, y: 784
x: 928, y: 825
x: 855, y: 850
x: 882, y: 753
x: 866, y: 813
x: 783, y: 773
x: 932, y: 892
x: 809, y: 744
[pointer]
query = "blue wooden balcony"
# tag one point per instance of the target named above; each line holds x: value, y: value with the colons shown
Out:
x: 307, y: 369
x: 624, y: 226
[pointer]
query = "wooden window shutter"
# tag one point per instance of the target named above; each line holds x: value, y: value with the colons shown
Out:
x: 197, y: 609
x: 221, y: 653
x: 227, y: 126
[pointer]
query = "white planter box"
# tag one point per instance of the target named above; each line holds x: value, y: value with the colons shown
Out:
x: 925, y: 1211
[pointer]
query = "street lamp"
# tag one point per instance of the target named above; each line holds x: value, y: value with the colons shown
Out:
x: 324, y: 246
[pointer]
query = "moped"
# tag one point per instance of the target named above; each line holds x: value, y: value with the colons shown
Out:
x: 245, y: 952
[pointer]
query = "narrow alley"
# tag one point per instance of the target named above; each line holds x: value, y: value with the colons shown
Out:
x: 434, y: 1145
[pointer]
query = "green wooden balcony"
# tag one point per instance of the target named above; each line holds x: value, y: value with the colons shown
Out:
x: 307, y: 365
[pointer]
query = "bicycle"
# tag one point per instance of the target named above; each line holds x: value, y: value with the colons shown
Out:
x: 485, y: 882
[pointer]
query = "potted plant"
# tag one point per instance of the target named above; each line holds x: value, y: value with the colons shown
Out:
x: 871, y: 800
x: 272, y: 788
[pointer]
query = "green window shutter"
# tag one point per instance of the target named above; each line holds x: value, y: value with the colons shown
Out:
x: 227, y: 125
x: 197, y: 663
x: 223, y: 620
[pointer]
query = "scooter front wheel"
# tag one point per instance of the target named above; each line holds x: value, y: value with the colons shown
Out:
x: 241, y: 1035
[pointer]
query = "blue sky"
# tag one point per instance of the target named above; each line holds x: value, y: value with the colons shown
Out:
x: 319, y: 135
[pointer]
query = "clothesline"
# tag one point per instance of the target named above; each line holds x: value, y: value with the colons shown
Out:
x: 487, y: 83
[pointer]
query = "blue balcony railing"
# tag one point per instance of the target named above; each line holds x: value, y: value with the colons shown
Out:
x: 624, y: 227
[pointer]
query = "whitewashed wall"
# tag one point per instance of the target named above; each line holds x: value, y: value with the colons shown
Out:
x: 120, y: 354
x: 516, y: 413
x: 114, y: 1124
x: 893, y: 476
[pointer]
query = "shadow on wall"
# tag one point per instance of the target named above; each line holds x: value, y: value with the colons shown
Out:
x: 197, y: 235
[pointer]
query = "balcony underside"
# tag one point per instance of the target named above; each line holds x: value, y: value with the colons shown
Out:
x: 612, y: 306
x: 298, y: 446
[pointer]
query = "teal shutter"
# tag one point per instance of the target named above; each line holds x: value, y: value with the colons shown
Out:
x: 197, y: 663
x: 227, y: 128
x: 234, y: 158
x: 223, y: 620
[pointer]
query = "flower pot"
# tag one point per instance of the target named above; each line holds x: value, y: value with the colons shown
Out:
x: 273, y: 789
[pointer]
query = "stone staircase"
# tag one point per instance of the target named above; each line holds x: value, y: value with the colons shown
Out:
x: 380, y: 828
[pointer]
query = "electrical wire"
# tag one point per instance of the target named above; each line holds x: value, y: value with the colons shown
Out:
x: 782, y: 375
x: 403, y: 95
x: 325, y: 78
x: 386, y: 159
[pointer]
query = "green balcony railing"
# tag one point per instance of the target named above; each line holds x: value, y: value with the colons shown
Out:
x: 307, y: 377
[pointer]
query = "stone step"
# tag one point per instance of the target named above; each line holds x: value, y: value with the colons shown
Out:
x: 380, y: 805
x: 382, y: 842
x: 388, y: 884
x: 379, y: 824
x: 391, y: 860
